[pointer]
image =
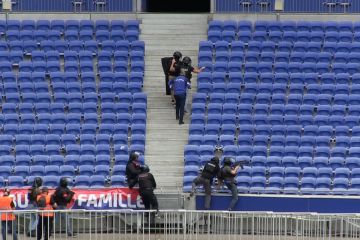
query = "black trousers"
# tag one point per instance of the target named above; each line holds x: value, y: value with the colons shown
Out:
x: 149, y: 199
x: 45, y: 223
x: 207, y: 187
x: 168, y: 90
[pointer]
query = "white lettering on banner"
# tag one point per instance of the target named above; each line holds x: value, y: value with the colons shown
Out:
x: 105, y: 199
x: 82, y: 198
x: 139, y: 202
x: 115, y: 204
x: 19, y: 203
x: 92, y: 200
x: 121, y: 203
x: 129, y: 202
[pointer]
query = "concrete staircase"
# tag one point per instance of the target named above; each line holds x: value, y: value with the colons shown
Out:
x: 165, y: 138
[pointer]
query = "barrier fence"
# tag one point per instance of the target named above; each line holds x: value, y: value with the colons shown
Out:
x: 183, y: 224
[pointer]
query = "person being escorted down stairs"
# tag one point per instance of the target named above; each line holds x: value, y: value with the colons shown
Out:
x: 180, y: 85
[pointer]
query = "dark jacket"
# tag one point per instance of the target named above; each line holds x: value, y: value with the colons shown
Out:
x: 132, y: 169
x: 226, y: 174
x: 146, y: 181
x: 63, y: 196
x: 211, y: 170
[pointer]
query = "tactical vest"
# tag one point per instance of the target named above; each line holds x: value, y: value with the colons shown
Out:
x: 209, y: 170
x: 44, y: 203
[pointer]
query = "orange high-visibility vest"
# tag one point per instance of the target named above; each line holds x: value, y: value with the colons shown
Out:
x: 5, y: 204
x: 48, y: 206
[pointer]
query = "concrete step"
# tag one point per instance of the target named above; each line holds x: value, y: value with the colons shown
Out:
x: 174, y: 26
x: 156, y: 60
x: 171, y: 38
x: 194, y: 42
x: 164, y: 52
x: 160, y: 161
x: 174, y: 33
x: 163, y: 34
x: 176, y: 21
x: 169, y: 128
x: 160, y: 47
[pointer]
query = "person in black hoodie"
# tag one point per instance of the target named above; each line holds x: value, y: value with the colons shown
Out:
x: 63, y: 196
x: 147, y: 184
x: 133, y: 169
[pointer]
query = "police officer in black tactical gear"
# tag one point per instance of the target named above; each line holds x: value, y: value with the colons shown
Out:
x: 169, y: 64
x: 33, y: 193
x: 133, y: 169
x: 147, y: 185
x: 210, y: 170
x: 63, y: 196
x: 227, y: 176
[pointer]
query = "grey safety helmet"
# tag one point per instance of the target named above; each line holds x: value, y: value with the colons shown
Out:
x: 37, y: 182
x: 134, y: 156
x: 218, y: 151
x: 145, y: 168
x: 63, y: 182
x: 186, y: 61
x: 228, y: 161
x: 177, y: 55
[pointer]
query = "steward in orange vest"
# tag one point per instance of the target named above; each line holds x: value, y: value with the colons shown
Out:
x: 45, y: 203
x: 7, y: 219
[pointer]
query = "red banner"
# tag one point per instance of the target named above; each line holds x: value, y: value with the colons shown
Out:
x: 95, y: 199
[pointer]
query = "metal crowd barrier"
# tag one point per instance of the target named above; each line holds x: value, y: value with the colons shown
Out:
x: 183, y: 224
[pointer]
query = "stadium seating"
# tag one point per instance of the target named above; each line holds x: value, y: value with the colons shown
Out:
x: 289, y: 91
x: 57, y: 121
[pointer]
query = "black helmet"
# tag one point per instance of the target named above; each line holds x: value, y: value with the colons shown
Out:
x: 37, y: 182
x: 186, y: 61
x: 228, y: 161
x: 145, y: 168
x: 134, y: 156
x: 63, y: 182
x: 177, y: 55
x: 215, y: 159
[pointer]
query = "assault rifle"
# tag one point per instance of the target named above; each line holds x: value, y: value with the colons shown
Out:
x: 240, y: 163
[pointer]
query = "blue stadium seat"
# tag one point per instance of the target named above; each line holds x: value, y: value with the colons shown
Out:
x: 258, y: 184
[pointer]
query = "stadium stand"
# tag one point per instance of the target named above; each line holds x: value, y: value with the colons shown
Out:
x: 69, y: 89
x: 284, y: 96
